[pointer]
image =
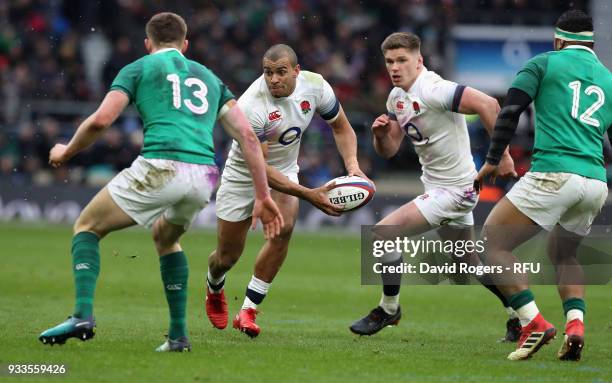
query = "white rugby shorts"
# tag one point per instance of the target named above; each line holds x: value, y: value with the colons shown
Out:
x: 448, y: 205
x: 152, y: 187
x: 571, y: 200
x: 235, y: 200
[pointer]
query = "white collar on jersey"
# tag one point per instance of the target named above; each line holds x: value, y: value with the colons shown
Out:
x: 166, y: 50
x: 416, y: 80
x: 581, y: 47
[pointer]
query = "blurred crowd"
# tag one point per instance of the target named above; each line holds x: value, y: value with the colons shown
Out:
x: 57, y: 59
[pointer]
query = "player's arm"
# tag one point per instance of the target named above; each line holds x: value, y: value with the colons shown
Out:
x: 521, y: 93
x: 346, y: 142
x: 607, y: 147
x: 474, y: 101
x: 387, y: 136
x: 238, y: 127
x: 90, y: 129
x: 515, y: 103
x: 317, y: 197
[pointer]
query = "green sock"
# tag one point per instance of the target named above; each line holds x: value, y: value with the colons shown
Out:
x: 86, y: 268
x: 520, y: 299
x: 574, y: 304
x: 175, y: 273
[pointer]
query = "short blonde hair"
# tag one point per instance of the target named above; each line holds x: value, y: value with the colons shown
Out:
x: 398, y: 40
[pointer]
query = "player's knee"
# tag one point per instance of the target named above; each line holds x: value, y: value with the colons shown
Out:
x: 161, y: 239
x: 227, y: 256
x: 285, y: 232
x: 85, y: 223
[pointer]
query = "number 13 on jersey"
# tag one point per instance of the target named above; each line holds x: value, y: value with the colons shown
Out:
x: 199, y: 93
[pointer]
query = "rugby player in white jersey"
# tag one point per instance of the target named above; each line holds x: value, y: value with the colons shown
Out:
x: 429, y: 111
x: 279, y: 105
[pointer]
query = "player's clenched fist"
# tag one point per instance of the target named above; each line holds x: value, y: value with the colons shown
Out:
x: 381, y: 126
x: 57, y: 155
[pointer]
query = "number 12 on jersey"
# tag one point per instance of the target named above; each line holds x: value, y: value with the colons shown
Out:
x: 200, y: 93
x: 586, y: 116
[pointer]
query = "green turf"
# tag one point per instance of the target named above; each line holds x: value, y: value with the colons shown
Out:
x: 448, y: 333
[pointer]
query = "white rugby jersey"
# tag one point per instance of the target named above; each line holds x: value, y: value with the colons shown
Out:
x: 428, y: 115
x: 281, y: 122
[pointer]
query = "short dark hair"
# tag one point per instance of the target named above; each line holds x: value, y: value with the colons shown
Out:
x: 166, y: 28
x: 575, y: 20
x: 278, y: 51
x: 398, y: 40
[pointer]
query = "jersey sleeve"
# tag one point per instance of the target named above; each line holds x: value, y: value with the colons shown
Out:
x: 127, y: 79
x: 529, y: 77
x: 255, y: 115
x: 443, y: 95
x: 328, y: 106
x: 225, y: 95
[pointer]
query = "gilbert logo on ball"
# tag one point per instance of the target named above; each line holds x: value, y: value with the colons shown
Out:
x: 350, y: 192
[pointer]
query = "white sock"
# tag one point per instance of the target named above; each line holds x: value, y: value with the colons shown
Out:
x: 259, y: 287
x: 248, y: 304
x: 389, y: 303
x: 511, y: 313
x: 575, y: 314
x: 214, y: 281
x: 527, y: 312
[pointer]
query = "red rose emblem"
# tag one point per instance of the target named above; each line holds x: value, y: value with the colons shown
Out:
x: 416, y: 107
x: 305, y: 105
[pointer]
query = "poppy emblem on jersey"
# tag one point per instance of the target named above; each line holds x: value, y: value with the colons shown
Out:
x: 416, y: 107
x: 305, y: 105
x: 400, y: 105
x: 273, y: 116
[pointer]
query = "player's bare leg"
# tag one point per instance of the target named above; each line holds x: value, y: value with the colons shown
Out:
x: 267, y: 265
x: 166, y: 236
x: 100, y: 217
x: 273, y: 254
x: 505, y: 229
x: 175, y: 274
x: 562, y: 250
x: 466, y: 233
x: 405, y: 221
x: 231, y: 237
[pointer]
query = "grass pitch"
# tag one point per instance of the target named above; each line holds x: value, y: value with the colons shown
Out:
x: 447, y: 334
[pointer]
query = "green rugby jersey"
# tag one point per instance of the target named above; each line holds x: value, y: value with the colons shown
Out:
x: 571, y: 90
x: 178, y: 100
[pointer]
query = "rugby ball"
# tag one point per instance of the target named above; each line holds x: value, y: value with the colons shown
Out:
x: 350, y: 192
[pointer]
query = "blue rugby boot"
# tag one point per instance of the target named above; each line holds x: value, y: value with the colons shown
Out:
x: 177, y: 345
x: 72, y: 327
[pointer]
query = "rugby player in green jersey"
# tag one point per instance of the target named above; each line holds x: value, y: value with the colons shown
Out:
x: 179, y: 101
x: 565, y: 188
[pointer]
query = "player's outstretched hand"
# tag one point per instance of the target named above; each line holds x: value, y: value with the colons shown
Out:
x: 269, y: 214
x: 487, y: 170
x: 318, y: 198
x: 359, y: 173
x: 381, y: 126
x: 506, y: 167
x: 57, y: 155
